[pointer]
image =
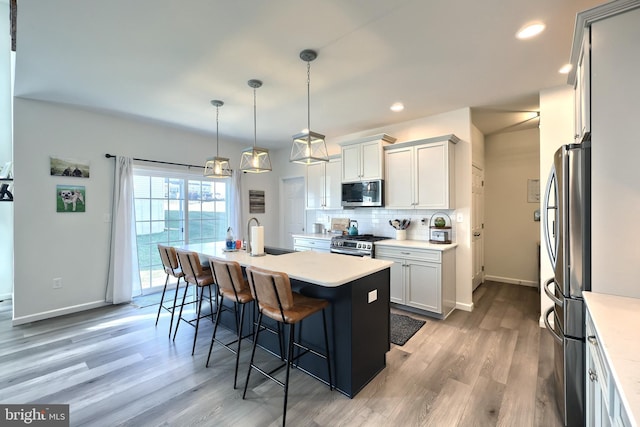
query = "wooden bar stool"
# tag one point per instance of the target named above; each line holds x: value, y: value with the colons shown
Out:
x: 272, y: 292
x: 201, y: 277
x: 169, y: 258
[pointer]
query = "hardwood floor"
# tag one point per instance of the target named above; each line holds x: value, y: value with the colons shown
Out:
x: 490, y: 367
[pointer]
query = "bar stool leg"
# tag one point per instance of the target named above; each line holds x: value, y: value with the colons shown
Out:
x: 289, y: 363
x: 235, y: 376
x: 215, y: 328
x: 184, y: 297
x: 195, y: 336
x: 175, y: 300
x: 326, y: 347
x: 162, y: 300
x: 253, y: 352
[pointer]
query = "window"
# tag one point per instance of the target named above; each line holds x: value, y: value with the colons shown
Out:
x: 174, y: 209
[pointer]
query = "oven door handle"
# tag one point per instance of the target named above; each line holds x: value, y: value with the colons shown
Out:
x: 550, y: 294
x: 345, y: 252
x: 552, y: 331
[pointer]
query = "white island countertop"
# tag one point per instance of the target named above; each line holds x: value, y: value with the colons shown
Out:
x: 324, y: 269
x: 416, y: 244
x: 616, y: 320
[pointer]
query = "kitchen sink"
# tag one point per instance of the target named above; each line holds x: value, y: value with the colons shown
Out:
x: 276, y: 251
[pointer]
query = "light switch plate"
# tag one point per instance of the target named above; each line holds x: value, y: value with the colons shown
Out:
x: 373, y: 296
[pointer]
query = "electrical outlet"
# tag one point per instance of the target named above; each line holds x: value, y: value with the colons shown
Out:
x: 372, y: 296
x: 57, y: 283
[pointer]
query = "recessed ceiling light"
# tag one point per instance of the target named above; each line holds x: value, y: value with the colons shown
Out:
x: 565, y: 69
x: 530, y: 30
x: 397, y: 106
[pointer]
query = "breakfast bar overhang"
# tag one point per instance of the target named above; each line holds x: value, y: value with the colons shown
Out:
x: 357, y: 319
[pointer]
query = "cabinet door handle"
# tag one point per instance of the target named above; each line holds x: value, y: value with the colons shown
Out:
x: 592, y: 339
x: 592, y: 375
x: 405, y: 253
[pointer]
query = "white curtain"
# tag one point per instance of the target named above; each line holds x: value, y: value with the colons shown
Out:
x: 235, y: 211
x: 124, y: 275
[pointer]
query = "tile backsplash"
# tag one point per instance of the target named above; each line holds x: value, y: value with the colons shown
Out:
x: 376, y: 221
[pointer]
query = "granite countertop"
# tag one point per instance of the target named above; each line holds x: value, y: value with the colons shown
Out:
x: 616, y: 319
x: 324, y: 269
x: 416, y: 244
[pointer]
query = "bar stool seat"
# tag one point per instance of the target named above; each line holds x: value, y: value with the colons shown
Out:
x: 169, y: 258
x: 195, y: 274
x: 234, y: 287
x: 276, y: 300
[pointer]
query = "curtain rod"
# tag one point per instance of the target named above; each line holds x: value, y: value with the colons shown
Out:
x: 109, y: 156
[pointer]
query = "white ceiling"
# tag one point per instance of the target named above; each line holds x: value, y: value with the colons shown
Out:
x: 165, y: 60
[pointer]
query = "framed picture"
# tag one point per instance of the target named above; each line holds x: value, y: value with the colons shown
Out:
x: 256, y: 201
x: 69, y: 167
x: 70, y: 198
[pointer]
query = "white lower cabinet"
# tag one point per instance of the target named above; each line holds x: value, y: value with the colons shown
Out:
x: 603, y: 407
x: 311, y: 244
x: 421, y: 278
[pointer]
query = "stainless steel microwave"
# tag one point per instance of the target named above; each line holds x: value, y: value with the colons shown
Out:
x: 363, y: 193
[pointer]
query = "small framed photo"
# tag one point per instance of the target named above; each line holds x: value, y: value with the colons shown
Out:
x: 70, y: 199
x: 69, y: 167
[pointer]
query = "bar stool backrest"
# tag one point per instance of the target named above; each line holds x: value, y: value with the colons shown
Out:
x: 190, y: 263
x: 228, y: 276
x: 270, y: 288
x: 169, y: 257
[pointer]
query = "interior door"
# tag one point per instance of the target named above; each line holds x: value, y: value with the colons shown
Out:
x: 477, y: 225
x: 292, y: 202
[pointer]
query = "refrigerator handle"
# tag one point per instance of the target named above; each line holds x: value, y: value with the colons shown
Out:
x: 549, y: 328
x: 550, y: 294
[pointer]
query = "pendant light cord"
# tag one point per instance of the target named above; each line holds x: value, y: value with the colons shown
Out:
x: 308, y: 102
x: 217, y: 142
x: 255, y: 138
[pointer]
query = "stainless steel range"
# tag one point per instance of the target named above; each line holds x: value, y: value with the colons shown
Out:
x: 355, y: 245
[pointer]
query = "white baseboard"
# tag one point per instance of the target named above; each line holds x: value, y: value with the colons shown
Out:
x: 58, y: 312
x: 513, y: 281
x: 464, y: 307
x: 541, y: 322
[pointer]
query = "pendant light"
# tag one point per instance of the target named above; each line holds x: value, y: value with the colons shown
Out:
x: 255, y: 159
x: 217, y: 167
x: 308, y: 147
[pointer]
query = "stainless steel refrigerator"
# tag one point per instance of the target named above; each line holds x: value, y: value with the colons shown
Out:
x: 566, y: 221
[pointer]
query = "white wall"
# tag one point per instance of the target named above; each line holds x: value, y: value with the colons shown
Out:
x: 615, y: 171
x: 556, y: 129
x: 75, y: 247
x: 456, y: 122
x: 6, y: 208
x: 511, y: 234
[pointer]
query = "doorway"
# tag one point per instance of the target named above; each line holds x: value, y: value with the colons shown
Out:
x: 292, y: 206
x: 477, y: 226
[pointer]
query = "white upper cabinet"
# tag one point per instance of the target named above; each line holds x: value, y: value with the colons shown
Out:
x: 363, y: 159
x: 421, y: 174
x: 582, y: 90
x: 324, y: 185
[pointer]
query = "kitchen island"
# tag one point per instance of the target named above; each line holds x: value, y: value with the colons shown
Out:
x: 357, y: 318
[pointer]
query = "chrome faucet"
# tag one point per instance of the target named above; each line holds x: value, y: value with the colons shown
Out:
x: 248, y: 248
